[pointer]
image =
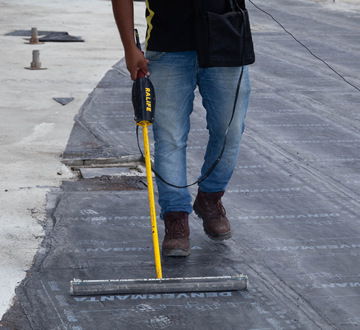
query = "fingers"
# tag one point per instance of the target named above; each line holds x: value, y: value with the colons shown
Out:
x: 133, y: 74
x: 138, y: 73
x: 144, y: 67
x: 135, y: 61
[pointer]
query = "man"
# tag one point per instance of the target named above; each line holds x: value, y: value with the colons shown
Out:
x: 172, y: 61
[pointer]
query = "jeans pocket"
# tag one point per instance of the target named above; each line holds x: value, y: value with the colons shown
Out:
x: 153, y: 56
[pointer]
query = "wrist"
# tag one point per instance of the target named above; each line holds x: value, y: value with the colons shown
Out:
x: 130, y: 47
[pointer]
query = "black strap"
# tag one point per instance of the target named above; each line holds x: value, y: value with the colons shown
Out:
x: 240, y: 4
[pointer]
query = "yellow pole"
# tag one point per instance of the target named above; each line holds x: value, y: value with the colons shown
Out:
x: 151, y: 200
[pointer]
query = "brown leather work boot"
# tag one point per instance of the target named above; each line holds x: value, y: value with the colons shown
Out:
x: 208, y: 206
x: 177, y: 231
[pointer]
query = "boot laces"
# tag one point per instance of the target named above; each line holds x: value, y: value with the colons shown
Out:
x: 177, y: 229
x: 216, y: 208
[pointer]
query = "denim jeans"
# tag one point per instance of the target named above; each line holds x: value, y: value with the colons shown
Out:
x: 175, y: 77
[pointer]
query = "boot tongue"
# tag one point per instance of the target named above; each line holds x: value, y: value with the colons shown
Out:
x: 175, y: 215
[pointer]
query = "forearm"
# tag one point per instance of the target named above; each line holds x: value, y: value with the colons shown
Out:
x: 124, y: 18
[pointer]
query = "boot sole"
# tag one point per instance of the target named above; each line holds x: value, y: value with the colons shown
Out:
x: 175, y: 252
x: 220, y: 237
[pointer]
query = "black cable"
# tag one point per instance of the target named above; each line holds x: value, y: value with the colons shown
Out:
x: 227, y: 128
x: 320, y: 59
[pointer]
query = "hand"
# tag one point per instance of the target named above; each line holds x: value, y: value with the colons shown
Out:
x: 135, y: 61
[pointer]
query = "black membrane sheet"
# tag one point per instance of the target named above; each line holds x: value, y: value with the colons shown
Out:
x: 293, y: 201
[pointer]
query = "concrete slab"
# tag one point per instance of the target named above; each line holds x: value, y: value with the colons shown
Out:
x: 88, y: 173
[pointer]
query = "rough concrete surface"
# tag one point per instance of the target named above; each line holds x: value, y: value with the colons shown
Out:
x: 34, y: 128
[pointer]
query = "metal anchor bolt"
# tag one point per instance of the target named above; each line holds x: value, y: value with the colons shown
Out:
x: 34, y: 37
x: 35, y: 64
x: 34, y: 40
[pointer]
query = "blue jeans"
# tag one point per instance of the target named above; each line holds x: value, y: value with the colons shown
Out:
x: 175, y: 76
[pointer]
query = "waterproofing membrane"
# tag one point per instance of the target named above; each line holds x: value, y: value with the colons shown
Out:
x: 48, y: 36
x: 293, y: 201
x: 63, y: 100
x: 60, y: 37
x: 27, y: 33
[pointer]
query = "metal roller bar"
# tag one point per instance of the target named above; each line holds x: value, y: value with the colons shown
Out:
x: 162, y: 285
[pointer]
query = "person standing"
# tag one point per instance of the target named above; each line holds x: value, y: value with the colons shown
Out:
x: 171, y: 63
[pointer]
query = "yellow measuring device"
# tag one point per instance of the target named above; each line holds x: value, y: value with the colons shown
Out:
x: 155, y: 237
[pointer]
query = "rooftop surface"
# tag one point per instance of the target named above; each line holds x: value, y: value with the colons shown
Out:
x: 293, y: 201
